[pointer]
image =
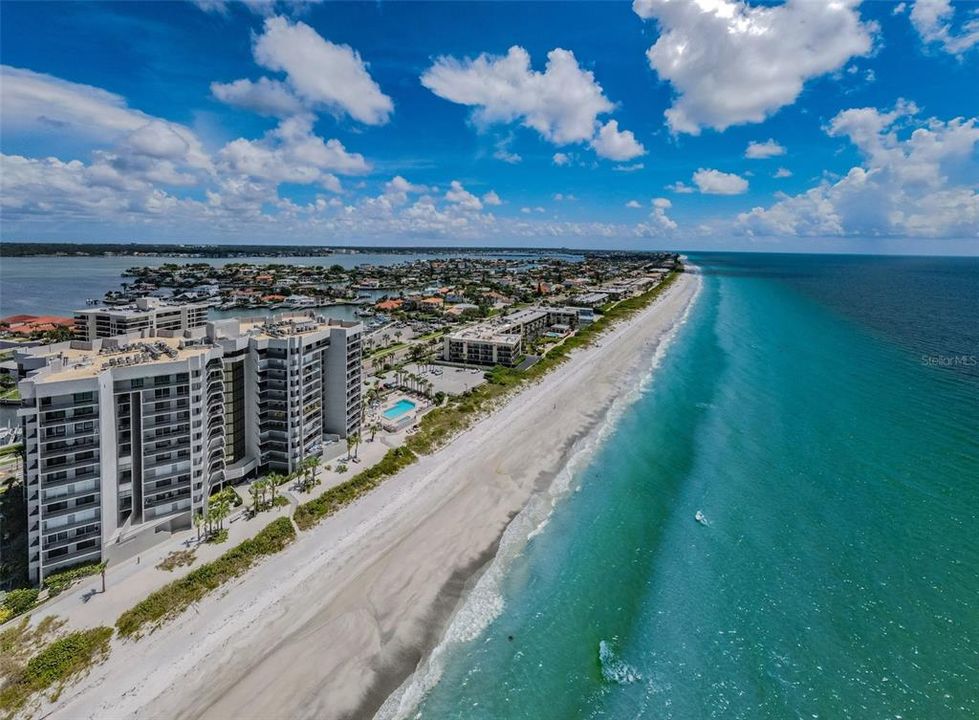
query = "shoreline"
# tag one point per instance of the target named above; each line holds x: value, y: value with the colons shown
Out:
x: 484, y: 586
x: 339, y: 621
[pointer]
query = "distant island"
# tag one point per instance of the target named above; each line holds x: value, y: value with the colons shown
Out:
x: 23, y: 249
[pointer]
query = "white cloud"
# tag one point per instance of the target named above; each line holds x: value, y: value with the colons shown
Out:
x: 634, y: 204
x: 563, y: 197
x: 264, y: 96
x: 899, y: 9
x: 659, y: 223
x: 680, y: 187
x: 38, y: 103
x: 561, y: 159
x: 763, y: 150
x: 321, y: 73
x: 506, y: 156
x: 291, y: 153
x: 615, y: 144
x: 782, y: 173
x: 259, y: 7
x: 399, y: 184
x: 491, y: 198
x: 715, y: 182
x: 458, y: 195
x: 920, y: 183
x: 397, y: 190
x: 51, y: 190
x: 634, y: 167
x: 933, y: 21
x: 562, y: 103
x: 732, y: 63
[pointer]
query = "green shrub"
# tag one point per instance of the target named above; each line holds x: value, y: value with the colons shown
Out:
x: 20, y: 601
x: 218, y: 536
x: 175, y: 597
x: 328, y: 502
x: 54, y: 665
x: 178, y: 558
x: 61, y: 581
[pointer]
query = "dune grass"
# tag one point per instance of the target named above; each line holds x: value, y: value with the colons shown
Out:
x: 52, y: 666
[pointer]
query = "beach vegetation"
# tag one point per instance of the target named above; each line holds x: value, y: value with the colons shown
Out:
x: 51, y: 666
x: 328, y: 502
x: 176, y: 559
x: 58, y: 582
x: 175, y: 597
x: 19, y: 601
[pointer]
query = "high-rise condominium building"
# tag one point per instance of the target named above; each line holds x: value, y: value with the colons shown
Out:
x: 126, y: 437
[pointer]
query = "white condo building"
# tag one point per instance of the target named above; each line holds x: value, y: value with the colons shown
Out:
x: 127, y: 437
x: 144, y: 315
x: 500, y: 341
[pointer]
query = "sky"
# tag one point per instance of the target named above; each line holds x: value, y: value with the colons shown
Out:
x: 809, y: 125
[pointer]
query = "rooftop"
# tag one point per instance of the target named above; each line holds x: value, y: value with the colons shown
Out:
x: 142, y: 306
x: 486, y: 332
x: 75, y: 360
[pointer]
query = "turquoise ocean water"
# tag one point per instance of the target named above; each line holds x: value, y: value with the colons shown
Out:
x: 822, y: 413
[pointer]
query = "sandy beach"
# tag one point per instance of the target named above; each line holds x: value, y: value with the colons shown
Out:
x: 335, y: 624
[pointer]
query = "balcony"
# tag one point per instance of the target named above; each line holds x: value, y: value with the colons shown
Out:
x: 69, y: 445
x: 71, y: 510
x: 164, y: 498
x: 54, y: 544
x: 72, y: 525
x: 49, y: 467
x: 66, y: 420
x: 85, y: 475
x: 149, y: 464
x: 52, y: 565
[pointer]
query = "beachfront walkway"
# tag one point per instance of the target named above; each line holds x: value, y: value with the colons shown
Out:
x: 128, y: 582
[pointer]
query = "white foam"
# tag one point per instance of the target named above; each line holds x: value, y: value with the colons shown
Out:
x: 615, y: 670
x: 484, y: 602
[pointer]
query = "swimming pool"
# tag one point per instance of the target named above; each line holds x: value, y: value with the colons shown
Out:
x: 399, y: 409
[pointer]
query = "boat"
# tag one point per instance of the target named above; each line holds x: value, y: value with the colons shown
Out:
x: 701, y: 518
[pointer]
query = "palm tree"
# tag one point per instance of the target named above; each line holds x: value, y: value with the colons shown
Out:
x: 314, y: 463
x: 222, y: 508
x: 273, y: 480
x: 354, y: 441
x: 257, y: 491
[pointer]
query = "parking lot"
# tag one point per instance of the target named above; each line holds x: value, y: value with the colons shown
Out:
x: 450, y: 380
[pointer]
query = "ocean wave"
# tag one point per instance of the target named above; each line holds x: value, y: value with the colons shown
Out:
x: 615, y: 670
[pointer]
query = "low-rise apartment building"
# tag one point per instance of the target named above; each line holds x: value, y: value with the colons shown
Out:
x: 146, y: 314
x: 128, y: 436
x: 500, y: 341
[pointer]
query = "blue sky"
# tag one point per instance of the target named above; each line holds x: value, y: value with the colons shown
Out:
x: 561, y: 124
